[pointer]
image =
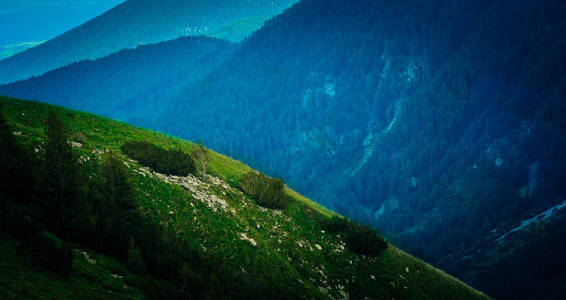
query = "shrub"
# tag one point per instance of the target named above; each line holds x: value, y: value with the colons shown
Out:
x: 337, y: 224
x: 268, y: 192
x: 200, y: 156
x: 360, y: 239
x: 364, y: 240
x: 174, y: 162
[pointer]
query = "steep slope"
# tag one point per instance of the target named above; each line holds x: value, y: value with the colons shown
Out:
x: 282, y: 252
x: 530, y: 253
x: 131, y: 85
x: 136, y: 22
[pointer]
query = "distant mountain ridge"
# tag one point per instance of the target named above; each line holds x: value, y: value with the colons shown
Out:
x: 121, y: 79
x: 136, y: 22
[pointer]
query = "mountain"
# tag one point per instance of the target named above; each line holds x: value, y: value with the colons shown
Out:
x: 119, y: 86
x: 136, y: 22
x: 154, y: 235
x: 440, y: 123
x: 11, y: 49
x: 35, y: 20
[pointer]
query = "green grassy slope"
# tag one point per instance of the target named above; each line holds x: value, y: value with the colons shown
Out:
x: 288, y: 248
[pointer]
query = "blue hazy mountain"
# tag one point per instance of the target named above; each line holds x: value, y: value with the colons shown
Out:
x: 441, y: 123
x: 136, y: 22
x: 24, y: 21
x: 27, y: 23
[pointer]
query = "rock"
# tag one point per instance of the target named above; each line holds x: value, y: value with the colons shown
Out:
x: 90, y: 260
x: 244, y: 237
x: 76, y: 144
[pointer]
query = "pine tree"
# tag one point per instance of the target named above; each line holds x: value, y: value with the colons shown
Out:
x: 115, y: 206
x: 63, y: 186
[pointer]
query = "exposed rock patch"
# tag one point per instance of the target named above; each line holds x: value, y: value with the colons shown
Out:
x: 244, y: 237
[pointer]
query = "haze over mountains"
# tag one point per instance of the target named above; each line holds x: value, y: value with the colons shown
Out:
x: 441, y: 123
x: 136, y: 22
x: 24, y: 21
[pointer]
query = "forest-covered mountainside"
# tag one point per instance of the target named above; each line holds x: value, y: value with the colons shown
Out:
x: 83, y: 219
x: 136, y: 22
x: 440, y: 123
x: 132, y: 85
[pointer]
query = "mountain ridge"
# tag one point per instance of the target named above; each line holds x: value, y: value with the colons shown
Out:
x: 136, y: 22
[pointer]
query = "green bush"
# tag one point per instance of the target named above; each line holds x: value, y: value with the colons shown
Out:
x: 360, y: 239
x: 337, y: 224
x: 364, y: 240
x: 200, y: 157
x: 174, y: 162
x: 268, y: 192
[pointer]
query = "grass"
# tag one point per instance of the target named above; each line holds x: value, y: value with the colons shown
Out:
x: 285, y: 249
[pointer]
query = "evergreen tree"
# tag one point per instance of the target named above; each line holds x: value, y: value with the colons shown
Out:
x: 63, y: 186
x: 115, y: 206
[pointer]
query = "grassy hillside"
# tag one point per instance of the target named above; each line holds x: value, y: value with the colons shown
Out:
x: 288, y: 250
